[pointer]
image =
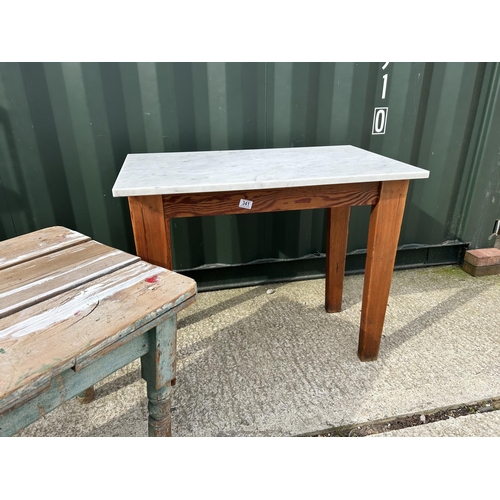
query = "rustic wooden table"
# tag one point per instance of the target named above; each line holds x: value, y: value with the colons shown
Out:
x: 73, y: 311
x: 161, y: 186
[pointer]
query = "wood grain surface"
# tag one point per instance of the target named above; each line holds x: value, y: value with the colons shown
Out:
x: 383, y: 236
x: 151, y: 230
x: 337, y: 229
x: 33, y: 245
x: 271, y: 200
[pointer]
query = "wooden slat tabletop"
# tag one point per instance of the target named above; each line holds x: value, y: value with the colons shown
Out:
x: 97, y: 296
x: 38, y: 279
x: 32, y: 245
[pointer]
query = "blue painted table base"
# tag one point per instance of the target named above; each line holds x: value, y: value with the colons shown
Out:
x: 155, y: 347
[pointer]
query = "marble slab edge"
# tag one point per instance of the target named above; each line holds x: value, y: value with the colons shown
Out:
x: 249, y: 186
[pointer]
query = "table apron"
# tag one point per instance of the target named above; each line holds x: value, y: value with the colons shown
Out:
x: 270, y: 200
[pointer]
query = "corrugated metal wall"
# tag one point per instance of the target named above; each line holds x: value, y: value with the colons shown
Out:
x: 65, y: 129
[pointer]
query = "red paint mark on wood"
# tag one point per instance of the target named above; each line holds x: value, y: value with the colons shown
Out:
x: 152, y: 279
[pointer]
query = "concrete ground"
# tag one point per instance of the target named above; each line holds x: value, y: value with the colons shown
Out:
x: 253, y: 363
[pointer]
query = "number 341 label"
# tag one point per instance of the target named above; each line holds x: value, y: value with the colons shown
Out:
x: 246, y: 204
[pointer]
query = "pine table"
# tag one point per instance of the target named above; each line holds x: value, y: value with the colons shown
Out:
x: 161, y: 186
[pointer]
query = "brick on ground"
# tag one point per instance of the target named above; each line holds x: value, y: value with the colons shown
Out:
x: 482, y: 262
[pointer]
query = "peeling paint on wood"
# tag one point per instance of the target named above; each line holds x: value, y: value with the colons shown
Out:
x: 86, y: 300
x: 26, y: 284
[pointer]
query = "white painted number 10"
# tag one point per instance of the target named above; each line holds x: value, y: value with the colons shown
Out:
x: 380, y: 114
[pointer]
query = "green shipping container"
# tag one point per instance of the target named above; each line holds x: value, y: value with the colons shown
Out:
x: 65, y: 129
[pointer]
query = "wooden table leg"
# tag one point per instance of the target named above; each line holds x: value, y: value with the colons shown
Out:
x: 158, y: 370
x: 151, y: 230
x: 337, y: 228
x: 383, y: 235
x: 87, y: 396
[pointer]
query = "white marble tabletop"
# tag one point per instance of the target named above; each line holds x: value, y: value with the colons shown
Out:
x: 234, y: 170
